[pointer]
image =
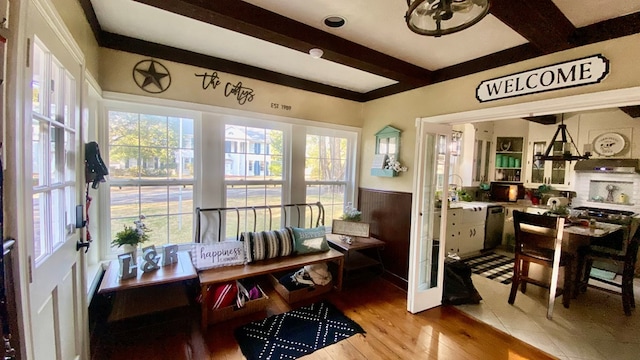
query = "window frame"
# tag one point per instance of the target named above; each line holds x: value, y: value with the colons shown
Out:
x: 210, y: 139
x: 104, y: 191
x: 284, y: 182
x: 350, y: 166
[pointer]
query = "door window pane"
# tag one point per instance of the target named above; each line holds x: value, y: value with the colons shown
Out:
x: 38, y: 76
x: 56, y: 154
x: 58, y: 222
x: 54, y: 85
x: 39, y: 245
x: 69, y: 95
x: 53, y: 149
x: 37, y: 163
x: 70, y: 156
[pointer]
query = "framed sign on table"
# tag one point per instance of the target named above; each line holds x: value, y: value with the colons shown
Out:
x: 350, y: 228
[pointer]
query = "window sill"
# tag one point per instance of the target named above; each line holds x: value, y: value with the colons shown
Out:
x: 94, y: 275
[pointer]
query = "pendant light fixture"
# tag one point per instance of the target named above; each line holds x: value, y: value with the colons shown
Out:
x: 568, y: 146
x: 441, y: 17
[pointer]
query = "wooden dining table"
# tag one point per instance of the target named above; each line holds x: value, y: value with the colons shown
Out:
x: 577, y: 239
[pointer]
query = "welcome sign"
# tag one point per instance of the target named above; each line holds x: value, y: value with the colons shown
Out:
x: 585, y: 71
x: 225, y: 253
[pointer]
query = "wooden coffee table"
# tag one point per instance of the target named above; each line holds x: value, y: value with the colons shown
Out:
x: 150, y: 292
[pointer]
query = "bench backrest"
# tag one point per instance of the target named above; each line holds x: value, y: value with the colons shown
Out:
x: 222, y: 224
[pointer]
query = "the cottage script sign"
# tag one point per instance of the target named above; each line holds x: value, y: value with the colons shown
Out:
x: 579, y: 72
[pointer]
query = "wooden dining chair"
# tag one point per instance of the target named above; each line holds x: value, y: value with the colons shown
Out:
x: 628, y: 257
x: 539, y: 241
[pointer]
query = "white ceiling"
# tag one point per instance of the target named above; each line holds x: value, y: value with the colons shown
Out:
x: 375, y: 24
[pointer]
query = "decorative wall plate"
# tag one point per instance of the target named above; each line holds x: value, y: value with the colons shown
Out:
x: 609, y: 144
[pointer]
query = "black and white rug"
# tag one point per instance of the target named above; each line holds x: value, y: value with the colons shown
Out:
x: 493, y: 266
x: 295, y: 333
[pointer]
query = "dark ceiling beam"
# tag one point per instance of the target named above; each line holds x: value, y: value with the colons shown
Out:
x: 633, y: 111
x: 136, y: 46
x: 254, y: 21
x: 543, y: 119
x: 491, y: 61
x: 90, y: 14
x: 539, y: 21
x: 607, y: 30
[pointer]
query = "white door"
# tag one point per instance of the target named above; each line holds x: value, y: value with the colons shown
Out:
x: 426, y: 255
x: 56, y: 322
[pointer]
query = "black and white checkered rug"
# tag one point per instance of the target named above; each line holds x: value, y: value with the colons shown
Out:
x: 493, y: 266
x: 295, y: 333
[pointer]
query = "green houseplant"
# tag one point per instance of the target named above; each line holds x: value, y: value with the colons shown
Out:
x: 130, y: 237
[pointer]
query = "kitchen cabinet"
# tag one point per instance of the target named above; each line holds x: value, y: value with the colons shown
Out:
x: 482, y: 152
x: 465, y: 230
x: 556, y: 173
x: 481, y: 160
x: 508, y: 159
x: 472, y: 160
x: 509, y: 141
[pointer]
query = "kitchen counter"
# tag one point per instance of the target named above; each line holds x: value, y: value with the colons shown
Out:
x: 469, y: 204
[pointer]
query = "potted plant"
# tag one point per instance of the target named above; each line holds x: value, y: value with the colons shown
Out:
x: 130, y: 237
x: 351, y: 213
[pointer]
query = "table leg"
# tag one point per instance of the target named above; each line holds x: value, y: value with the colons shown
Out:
x: 380, y: 260
x: 580, y: 272
x: 340, y: 263
x: 204, y: 322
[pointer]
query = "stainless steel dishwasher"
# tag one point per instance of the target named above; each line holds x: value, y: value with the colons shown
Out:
x: 493, y: 226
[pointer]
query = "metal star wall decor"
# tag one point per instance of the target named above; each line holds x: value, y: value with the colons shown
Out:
x: 151, y: 76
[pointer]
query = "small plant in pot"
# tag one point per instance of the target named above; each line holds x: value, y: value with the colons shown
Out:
x: 351, y: 213
x: 130, y: 237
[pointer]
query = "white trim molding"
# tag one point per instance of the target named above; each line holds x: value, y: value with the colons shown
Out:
x: 574, y: 103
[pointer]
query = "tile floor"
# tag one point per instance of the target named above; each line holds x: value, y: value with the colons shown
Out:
x: 593, y: 328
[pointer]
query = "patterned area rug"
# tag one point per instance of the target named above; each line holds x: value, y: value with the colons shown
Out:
x: 295, y: 333
x: 493, y: 266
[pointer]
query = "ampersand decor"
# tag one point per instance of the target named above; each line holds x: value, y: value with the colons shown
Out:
x: 150, y: 259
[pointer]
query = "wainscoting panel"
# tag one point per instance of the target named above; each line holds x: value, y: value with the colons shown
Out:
x: 389, y: 216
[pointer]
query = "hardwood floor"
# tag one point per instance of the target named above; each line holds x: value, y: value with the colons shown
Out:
x: 377, y: 305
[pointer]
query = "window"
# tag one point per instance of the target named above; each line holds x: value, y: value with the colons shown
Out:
x: 151, y: 171
x: 328, y: 160
x: 248, y: 182
x: 53, y: 143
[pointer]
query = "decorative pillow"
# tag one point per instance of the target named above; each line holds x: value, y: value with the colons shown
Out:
x: 267, y: 244
x: 310, y: 240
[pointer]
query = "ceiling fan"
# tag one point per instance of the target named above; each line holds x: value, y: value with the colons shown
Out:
x: 441, y: 17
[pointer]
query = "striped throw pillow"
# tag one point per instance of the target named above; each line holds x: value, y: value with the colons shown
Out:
x: 263, y: 245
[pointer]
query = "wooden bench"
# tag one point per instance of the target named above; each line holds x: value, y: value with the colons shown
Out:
x: 286, y: 215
